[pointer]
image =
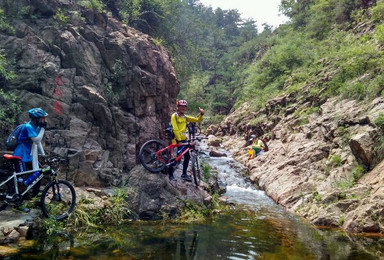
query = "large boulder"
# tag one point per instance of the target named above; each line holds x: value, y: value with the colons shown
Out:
x: 362, y: 146
x: 155, y: 195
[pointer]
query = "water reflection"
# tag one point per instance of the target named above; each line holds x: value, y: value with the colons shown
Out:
x: 185, y: 246
x: 241, y: 234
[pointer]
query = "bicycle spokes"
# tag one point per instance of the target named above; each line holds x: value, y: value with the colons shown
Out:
x: 154, y: 156
x: 58, y: 199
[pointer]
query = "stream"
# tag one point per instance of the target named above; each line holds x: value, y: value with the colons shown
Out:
x: 255, y: 228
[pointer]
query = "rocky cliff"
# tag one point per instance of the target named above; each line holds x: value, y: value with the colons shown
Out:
x: 107, y: 87
x: 322, y: 161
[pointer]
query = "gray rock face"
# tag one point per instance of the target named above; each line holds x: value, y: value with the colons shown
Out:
x: 107, y: 88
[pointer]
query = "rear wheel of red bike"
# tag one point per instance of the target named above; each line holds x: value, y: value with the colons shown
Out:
x: 150, y: 157
x: 196, y: 169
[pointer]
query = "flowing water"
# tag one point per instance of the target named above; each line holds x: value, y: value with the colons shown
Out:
x: 256, y: 228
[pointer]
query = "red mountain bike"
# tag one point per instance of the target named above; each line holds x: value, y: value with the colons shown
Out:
x: 154, y: 155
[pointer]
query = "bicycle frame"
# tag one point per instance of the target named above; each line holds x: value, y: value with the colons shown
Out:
x: 170, y: 148
x: 15, y: 181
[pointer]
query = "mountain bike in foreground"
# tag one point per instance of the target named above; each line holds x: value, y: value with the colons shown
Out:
x: 58, y: 198
x: 154, y: 155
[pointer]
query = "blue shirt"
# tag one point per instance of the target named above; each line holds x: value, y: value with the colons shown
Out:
x: 24, y: 147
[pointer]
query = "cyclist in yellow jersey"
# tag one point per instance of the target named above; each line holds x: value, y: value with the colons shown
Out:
x: 179, y: 125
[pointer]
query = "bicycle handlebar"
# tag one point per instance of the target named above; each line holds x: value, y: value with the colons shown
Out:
x: 54, y: 161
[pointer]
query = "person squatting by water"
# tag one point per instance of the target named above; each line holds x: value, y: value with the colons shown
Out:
x: 257, y: 147
x: 179, y: 125
x: 29, y: 143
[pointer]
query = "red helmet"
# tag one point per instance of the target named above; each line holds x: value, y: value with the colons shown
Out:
x: 182, y: 102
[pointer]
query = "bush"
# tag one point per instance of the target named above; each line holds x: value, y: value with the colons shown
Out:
x: 5, y: 73
x: 379, y: 34
x: 95, y: 5
x: 4, y: 26
x: 357, y: 172
x: 379, y: 122
x: 336, y: 160
x: 61, y: 18
x: 378, y: 149
x: 377, y: 12
x: 213, y: 120
x: 206, y: 171
x: 89, y: 214
x: 8, y: 112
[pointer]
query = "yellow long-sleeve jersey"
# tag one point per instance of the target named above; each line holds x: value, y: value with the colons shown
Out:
x: 179, y: 125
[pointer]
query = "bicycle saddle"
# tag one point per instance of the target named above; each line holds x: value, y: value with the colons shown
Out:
x: 11, y: 157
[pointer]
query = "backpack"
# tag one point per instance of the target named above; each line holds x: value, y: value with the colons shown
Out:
x: 169, y: 130
x: 13, y: 139
x: 265, y: 145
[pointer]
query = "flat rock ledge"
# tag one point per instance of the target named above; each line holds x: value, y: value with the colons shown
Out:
x: 16, y: 225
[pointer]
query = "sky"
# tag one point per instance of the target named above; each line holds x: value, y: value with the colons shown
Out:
x: 262, y: 11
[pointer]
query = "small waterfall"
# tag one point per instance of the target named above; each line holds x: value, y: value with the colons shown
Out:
x: 232, y: 173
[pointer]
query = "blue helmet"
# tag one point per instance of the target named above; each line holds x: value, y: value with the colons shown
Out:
x: 37, y: 113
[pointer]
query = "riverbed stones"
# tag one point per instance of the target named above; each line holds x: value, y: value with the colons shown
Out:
x: 15, y: 225
x: 214, y: 153
x: 214, y: 141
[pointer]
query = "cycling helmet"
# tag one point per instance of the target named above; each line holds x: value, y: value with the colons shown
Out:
x: 37, y: 113
x: 182, y: 102
x: 252, y: 137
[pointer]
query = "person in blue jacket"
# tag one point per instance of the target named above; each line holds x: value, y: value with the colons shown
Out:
x: 29, y: 143
x: 31, y: 136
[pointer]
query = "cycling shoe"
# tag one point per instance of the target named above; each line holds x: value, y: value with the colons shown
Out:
x: 186, y: 177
